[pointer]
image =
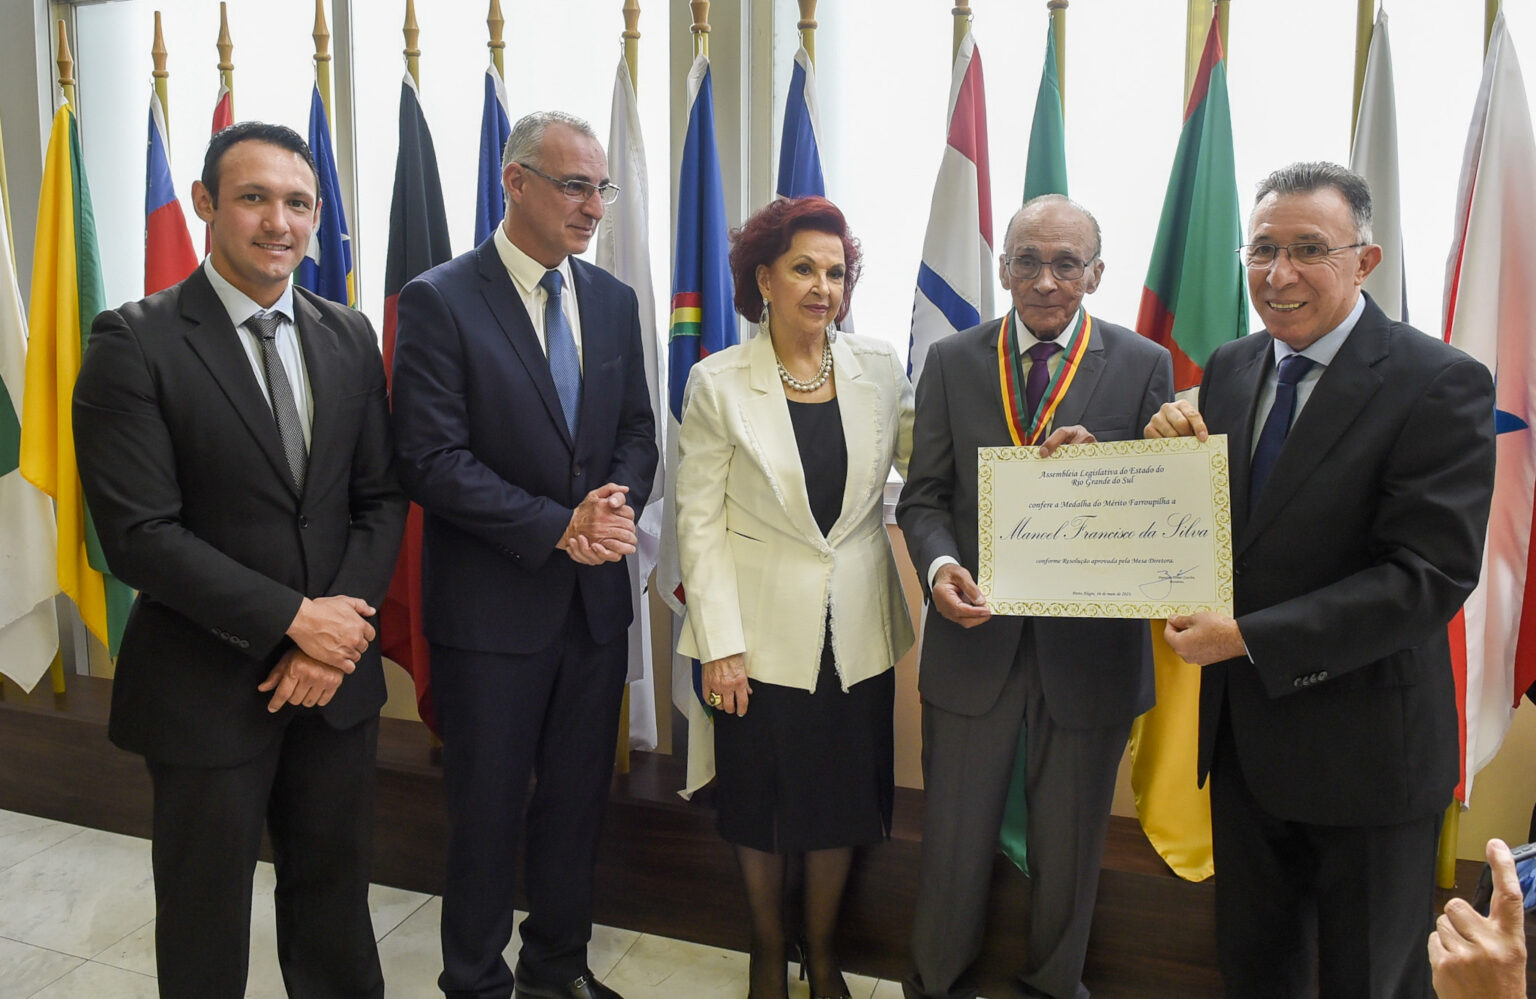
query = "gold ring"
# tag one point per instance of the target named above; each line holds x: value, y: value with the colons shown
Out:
x: 714, y: 699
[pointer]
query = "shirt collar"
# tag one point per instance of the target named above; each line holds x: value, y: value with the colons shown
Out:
x: 525, y: 271
x: 1027, y: 338
x: 1326, y: 347
x: 241, y: 306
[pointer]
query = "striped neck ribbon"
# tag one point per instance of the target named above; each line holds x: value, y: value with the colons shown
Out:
x: 1031, y: 428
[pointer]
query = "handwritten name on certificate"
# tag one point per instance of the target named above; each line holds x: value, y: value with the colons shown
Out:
x: 1119, y: 529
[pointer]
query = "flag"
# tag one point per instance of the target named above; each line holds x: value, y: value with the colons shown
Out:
x: 800, y: 147
x: 954, y: 280
x: 490, y: 198
x: 1491, y: 314
x: 66, y: 296
x: 1045, y: 168
x: 418, y: 241
x: 223, y: 117
x: 168, y: 253
x: 1193, y: 302
x: 1373, y: 155
x: 326, y: 268
x: 29, y: 628
x: 703, y: 321
x: 623, y: 249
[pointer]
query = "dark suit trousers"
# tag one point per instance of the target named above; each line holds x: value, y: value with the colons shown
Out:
x: 1354, y: 902
x: 552, y: 715
x: 1070, y: 782
x: 313, y: 789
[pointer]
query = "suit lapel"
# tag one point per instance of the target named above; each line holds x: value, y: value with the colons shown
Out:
x: 322, y: 362
x: 858, y: 401
x: 765, y: 412
x: 507, y: 309
x: 602, y: 385
x: 1341, y: 394
x: 214, y: 339
x: 1234, y: 411
x: 1089, y: 370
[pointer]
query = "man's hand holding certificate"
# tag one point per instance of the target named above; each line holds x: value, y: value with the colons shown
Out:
x: 1121, y: 529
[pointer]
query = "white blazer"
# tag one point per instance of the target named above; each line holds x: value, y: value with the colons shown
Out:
x: 758, y: 575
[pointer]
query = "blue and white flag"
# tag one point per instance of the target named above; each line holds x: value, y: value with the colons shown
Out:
x: 954, y: 281
x: 800, y: 148
x: 326, y: 268
x: 495, y: 126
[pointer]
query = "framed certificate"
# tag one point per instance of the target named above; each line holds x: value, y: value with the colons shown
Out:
x: 1119, y: 529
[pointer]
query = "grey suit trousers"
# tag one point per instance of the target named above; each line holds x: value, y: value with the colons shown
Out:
x: 1070, y: 781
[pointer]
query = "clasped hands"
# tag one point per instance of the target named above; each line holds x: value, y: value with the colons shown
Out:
x: 1203, y: 638
x: 330, y: 635
x: 602, y: 527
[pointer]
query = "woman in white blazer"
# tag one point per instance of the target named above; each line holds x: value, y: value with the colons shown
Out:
x: 794, y: 605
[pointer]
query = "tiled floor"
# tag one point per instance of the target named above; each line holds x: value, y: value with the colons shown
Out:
x: 77, y: 917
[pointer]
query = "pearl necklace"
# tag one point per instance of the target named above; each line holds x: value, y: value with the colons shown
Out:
x: 822, y: 375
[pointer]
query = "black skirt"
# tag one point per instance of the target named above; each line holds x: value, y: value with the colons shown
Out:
x: 807, y: 771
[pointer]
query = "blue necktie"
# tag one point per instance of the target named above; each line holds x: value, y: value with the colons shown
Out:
x: 564, y: 365
x: 1277, y: 424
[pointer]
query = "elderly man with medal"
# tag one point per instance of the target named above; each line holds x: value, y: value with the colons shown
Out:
x: 1061, y: 691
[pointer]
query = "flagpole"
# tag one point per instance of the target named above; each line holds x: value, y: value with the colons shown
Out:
x: 498, y: 25
x: 1223, y: 14
x: 1365, y: 27
x: 226, y: 47
x: 962, y: 14
x: 807, y: 26
x: 631, y: 37
x: 66, y: 64
x: 1490, y: 11
x: 1058, y: 9
x: 412, y: 32
x: 700, y: 27
x: 162, y: 75
x: 322, y: 37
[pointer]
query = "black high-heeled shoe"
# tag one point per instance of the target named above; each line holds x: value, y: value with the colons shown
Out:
x: 804, y: 950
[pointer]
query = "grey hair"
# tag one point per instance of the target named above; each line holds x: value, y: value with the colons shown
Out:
x: 1057, y: 199
x: 1304, y: 178
x: 528, y: 133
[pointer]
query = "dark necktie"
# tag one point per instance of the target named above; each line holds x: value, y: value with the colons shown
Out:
x: 1039, y: 373
x: 1277, y: 424
x: 289, y: 430
x: 564, y: 366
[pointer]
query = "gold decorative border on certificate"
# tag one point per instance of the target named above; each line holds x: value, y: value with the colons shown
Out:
x: 1221, y: 504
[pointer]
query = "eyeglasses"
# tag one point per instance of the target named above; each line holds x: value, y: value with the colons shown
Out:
x: 1027, y: 268
x: 578, y: 190
x: 1259, y: 256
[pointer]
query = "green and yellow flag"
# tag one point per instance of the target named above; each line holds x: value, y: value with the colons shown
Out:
x: 66, y: 296
x: 1045, y: 168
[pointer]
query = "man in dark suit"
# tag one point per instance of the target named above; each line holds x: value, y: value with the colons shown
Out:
x: 1361, y: 455
x: 524, y: 431
x: 233, y: 441
x: 1072, y: 686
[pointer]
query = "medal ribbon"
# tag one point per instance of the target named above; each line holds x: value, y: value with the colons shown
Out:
x: 1029, y: 428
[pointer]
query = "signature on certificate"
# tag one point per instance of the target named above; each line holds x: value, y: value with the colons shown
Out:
x: 1162, y: 586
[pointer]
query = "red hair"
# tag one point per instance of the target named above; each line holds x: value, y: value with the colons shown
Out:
x: 765, y: 237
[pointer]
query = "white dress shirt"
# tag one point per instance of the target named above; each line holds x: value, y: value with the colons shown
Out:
x: 526, y: 273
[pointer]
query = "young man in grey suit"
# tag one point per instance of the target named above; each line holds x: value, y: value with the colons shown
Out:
x: 524, y: 430
x: 1362, y: 459
x: 1072, y: 686
x: 233, y: 440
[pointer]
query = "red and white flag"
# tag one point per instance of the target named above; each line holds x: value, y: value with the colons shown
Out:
x: 1490, y: 309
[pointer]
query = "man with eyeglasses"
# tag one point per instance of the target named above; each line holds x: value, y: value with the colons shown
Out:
x: 1046, y: 374
x: 524, y: 430
x: 1361, y: 455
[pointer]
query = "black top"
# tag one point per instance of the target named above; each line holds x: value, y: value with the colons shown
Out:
x: 823, y: 456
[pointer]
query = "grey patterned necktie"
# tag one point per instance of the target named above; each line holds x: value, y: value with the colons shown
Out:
x: 289, y: 430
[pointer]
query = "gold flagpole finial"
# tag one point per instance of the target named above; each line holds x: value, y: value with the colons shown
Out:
x: 631, y: 38
x: 322, y: 37
x: 158, y: 53
x: 1365, y: 27
x: 412, y: 32
x: 1058, y: 15
x: 226, y: 47
x: 66, y: 63
x: 497, y: 25
x: 807, y: 26
x: 700, y: 27
x: 962, y: 15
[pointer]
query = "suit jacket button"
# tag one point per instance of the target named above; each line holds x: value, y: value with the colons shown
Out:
x: 303, y: 523
x: 1300, y: 681
x: 1322, y: 674
x: 576, y: 472
x: 244, y: 644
